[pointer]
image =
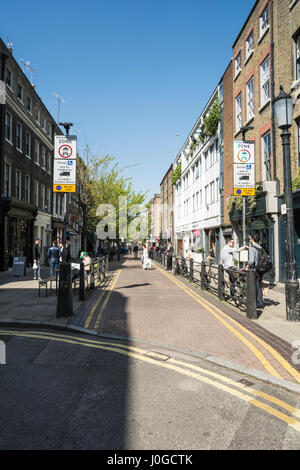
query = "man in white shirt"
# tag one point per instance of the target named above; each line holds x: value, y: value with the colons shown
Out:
x: 227, y: 260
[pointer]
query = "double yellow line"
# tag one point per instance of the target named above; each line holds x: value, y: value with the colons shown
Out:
x: 238, y: 390
x: 108, y: 292
x: 227, y: 321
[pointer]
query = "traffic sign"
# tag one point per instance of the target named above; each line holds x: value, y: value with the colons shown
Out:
x: 65, y: 147
x: 64, y: 188
x: 244, y: 176
x: 64, y: 172
x: 244, y: 192
x: 243, y: 152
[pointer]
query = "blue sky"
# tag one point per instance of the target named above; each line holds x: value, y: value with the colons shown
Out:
x: 133, y: 73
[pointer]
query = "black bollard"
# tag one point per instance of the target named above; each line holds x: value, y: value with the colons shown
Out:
x: 251, y: 295
x: 221, y: 282
x: 64, y: 307
x: 81, y: 282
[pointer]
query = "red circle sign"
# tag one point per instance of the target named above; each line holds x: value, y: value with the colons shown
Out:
x: 65, y: 151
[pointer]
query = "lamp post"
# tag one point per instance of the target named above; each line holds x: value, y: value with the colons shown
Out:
x: 243, y: 130
x: 283, y: 108
x: 67, y: 126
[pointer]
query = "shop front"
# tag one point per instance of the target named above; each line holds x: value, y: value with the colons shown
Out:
x: 18, y: 231
x: 258, y: 222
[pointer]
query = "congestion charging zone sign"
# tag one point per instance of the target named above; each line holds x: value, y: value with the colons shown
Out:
x: 244, y: 168
x: 65, y: 147
x: 64, y: 174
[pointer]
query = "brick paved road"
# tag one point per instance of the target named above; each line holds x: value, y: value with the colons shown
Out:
x: 153, y: 306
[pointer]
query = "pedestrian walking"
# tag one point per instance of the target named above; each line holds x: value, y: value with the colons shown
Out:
x: 228, y: 262
x: 53, y: 255
x: 170, y: 251
x: 146, y: 261
x: 36, y: 254
x: 254, y: 249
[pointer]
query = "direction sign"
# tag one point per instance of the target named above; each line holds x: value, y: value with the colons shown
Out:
x: 65, y: 147
x: 243, y: 152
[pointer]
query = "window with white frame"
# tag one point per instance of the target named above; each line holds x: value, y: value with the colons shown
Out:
x: 37, y: 152
x: 297, y: 55
x: 8, y: 79
x: 18, y: 185
x: 28, y: 144
x: 264, y: 21
x: 249, y: 45
x: 8, y: 127
x: 20, y: 92
x: 238, y: 64
x: 194, y: 203
x: 47, y: 207
x: 44, y: 123
x: 238, y: 112
x: 19, y: 136
x: 250, y: 98
x: 206, y: 160
x: 43, y: 196
x: 27, y: 189
x: 212, y: 154
x: 217, y: 189
x: 43, y: 157
x: 197, y: 169
x: 36, y: 193
x: 38, y: 116
x: 29, y: 105
x: 212, y: 191
x: 266, y: 153
x: 206, y: 195
x: 7, y: 180
x: 200, y: 199
x: 265, y: 81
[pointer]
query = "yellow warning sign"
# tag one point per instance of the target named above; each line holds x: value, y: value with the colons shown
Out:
x: 244, y: 192
x: 64, y: 188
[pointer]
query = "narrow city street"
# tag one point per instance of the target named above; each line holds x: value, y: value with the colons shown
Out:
x: 69, y: 391
x: 156, y: 307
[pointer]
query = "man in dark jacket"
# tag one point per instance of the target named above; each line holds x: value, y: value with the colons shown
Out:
x: 53, y: 255
x: 36, y: 254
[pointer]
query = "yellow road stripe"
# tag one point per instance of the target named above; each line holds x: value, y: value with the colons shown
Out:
x: 263, y: 360
x: 283, y: 362
x: 109, y: 291
x: 93, y: 309
x: 281, y: 416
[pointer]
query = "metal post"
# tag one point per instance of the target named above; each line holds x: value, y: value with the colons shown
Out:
x: 291, y: 283
x: 191, y: 269
x: 203, y: 275
x: 251, y: 295
x: 221, y: 282
x: 106, y: 265
x: 64, y: 307
x: 81, y: 282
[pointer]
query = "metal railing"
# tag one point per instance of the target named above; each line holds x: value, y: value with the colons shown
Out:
x: 236, y: 286
x: 92, y: 275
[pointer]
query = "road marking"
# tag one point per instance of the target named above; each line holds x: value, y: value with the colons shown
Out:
x: 92, y: 311
x: 283, y: 362
x: 109, y: 291
x: 262, y: 359
x: 128, y: 351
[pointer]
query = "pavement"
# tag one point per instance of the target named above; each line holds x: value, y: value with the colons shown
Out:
x: 156, y: 308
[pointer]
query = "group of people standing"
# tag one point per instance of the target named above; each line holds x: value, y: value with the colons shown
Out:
x: 56, y: 254
x: 253, y: 261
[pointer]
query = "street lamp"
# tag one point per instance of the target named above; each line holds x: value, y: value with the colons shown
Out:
x: 283, y: 109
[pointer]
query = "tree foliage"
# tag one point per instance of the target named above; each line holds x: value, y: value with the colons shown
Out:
x: 103, y: 182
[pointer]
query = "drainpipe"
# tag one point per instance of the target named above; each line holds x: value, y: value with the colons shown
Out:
x: 273, y: 91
